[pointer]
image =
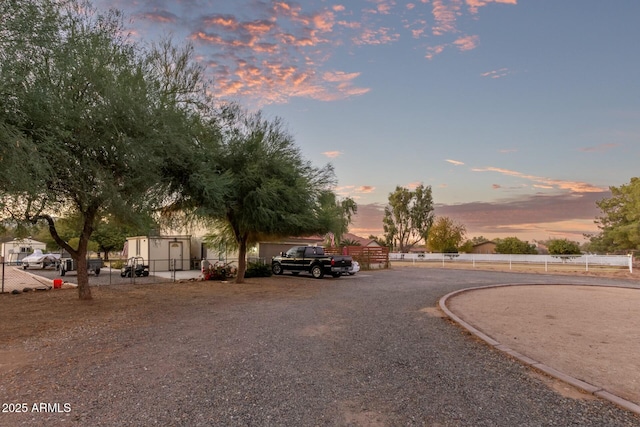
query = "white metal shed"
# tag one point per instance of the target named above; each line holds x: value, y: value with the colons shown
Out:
x: 161, y: 253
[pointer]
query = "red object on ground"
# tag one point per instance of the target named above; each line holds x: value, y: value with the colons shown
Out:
x: 57, y: 283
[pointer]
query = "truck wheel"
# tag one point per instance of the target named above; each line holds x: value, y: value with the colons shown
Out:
x: 97, y: 271
x: 317, y: 272
x: 63, y: 271
x: 276, y: 268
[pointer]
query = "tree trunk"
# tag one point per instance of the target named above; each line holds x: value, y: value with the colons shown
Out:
x: 242, y: 260
x: 84, y: 291
x: 80, y: 255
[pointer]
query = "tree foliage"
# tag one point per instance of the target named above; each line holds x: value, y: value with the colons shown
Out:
x: 272, y: 191
x: 88, y: 126
x: 350, y: 242
x: 620, y: 221
x: 335, y: 216
x: 563, y: 247
x: 513, y: 245
x: 446, y: 235
x: 408, y: 217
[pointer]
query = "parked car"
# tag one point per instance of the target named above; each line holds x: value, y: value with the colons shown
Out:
x: 311, y: 259
x: 355, y: 267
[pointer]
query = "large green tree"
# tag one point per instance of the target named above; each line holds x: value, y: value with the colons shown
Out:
x: 446, y: 235
x: 408, y: 217
x: 620, y: 221
x: 272, y: 191
x: 88, y: 126
x: 513, y: 245
x: 563, y: 247
x: 335, y: 215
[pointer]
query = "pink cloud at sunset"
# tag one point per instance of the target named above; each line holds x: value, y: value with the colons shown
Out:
x: 332, y: 154
x: 467, y: 43
x: 284, y: 49
x: 496, y: 74
x: 537, y: 217
x: 445, y: 15
x: 575, y: 186
x: 353, y: 191
x: 599, y: 148
x: 474, y: 5
x: 454, y: 162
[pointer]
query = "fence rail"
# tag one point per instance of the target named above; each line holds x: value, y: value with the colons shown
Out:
x: 368, y: 256
x: 548, y: 261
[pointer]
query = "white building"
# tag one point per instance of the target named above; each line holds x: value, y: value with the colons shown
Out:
x: 14, y: 250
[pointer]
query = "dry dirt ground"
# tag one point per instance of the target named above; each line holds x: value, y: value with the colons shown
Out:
x: 31, y: 314
x: 591, y: 333
x: 34, y: 314
x: 507, y: 314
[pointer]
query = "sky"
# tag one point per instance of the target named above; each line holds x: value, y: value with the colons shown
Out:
x: 520, y: 114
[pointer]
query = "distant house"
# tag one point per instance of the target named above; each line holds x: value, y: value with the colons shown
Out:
x: 14, y: 250
x: 542, y: 248
x: 361, y: 240
x: 484, y: 248
x: 267, y: 250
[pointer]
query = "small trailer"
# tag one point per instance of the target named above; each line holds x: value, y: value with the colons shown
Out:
x: 93, y: 265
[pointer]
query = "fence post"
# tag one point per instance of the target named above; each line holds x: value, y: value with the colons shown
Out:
x: 630, y: 263
x: 510, y: 256
x: 173, y: 269
x: 586, y: 262
x: 3, y: 277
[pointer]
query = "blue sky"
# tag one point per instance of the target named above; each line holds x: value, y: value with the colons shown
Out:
x: 519, y: 114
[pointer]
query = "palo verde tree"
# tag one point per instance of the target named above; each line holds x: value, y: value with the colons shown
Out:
x: 272, y: 191
x: 620, y: 221
x: 408, y: 217
x: 88, y: 125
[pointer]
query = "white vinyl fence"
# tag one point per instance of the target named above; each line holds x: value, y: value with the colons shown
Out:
x: 548, y: 261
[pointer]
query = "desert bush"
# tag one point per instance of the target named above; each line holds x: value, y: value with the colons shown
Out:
x: 258, y: 269
x: 116, y: 264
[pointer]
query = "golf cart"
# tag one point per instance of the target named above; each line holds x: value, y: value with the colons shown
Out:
x: 135, y: 265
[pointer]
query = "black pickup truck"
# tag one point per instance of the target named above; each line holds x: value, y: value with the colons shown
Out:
x: 311, y: 259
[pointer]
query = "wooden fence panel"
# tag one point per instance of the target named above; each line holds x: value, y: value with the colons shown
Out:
x: 368, y: 256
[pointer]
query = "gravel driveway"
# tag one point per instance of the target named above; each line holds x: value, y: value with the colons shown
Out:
x: 367, y: 350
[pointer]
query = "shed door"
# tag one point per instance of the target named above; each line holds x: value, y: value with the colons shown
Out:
x: 175, y: 252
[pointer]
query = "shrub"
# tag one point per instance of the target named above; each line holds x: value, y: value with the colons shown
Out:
x: 258, y: 269
x: 116, y: 264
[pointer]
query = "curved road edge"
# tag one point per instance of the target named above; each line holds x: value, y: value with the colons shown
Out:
x: 589, y: 388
